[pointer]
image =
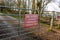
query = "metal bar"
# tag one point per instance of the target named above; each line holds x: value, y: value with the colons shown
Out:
x: 16, y: 28
x: 20, y: 8
x: 8, y: 15
x: 27, y: 33
x: 9, y: 37
x: 7, y: 29
x: 26, y: 38
x: 3, y: 25
x: 8, y: 20
x: 9, y: 33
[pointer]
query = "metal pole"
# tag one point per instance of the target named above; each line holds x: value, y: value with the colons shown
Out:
x: 19, y: 16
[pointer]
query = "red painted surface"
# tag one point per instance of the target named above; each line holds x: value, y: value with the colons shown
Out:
x: 58, y: 17
x: 31, y: 20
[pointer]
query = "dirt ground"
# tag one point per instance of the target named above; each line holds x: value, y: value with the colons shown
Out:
x: 44, y: 34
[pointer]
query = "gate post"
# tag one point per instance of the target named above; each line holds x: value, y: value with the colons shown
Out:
x: 52, y: 20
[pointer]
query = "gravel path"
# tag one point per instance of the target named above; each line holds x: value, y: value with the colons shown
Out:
x: 11, y: 24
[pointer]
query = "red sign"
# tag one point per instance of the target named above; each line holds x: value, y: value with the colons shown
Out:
x: 58, y: 17
x: 31, y: 20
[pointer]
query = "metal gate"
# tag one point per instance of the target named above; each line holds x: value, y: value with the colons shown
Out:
x: 12, y: 25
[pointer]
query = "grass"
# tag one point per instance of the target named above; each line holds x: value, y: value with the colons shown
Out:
x: 57, y: 27
x: 13, y: 15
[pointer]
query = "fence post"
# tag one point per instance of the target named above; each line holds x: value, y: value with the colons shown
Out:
x: 52, y: 20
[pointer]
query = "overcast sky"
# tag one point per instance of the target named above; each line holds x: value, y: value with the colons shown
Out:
x: 53, y: 6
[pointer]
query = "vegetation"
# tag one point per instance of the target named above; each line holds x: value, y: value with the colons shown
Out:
x: 38, y: 5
